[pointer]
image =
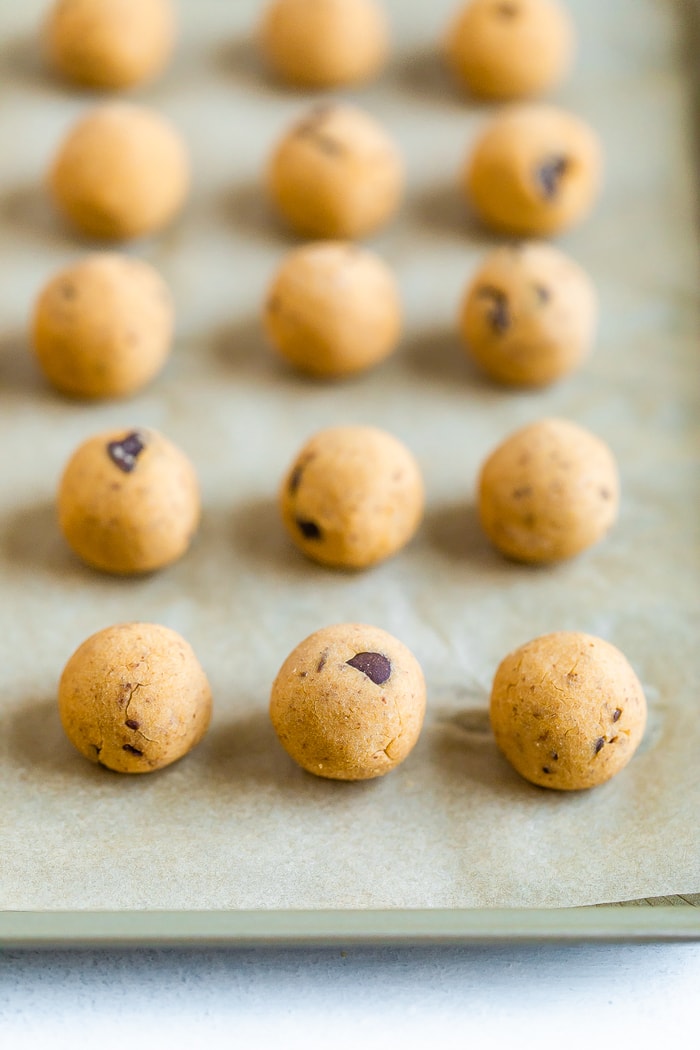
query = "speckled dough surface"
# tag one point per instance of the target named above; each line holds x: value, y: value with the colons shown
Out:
x: 122, y: 171
x: 324, y: 43
x: 548, y: 492
x: 535, y: 170
x: 134, y: 698
x: 353, y: 496
x: 529, y: 315
x: 110, y: 44
x: 128, y: 501
x: 567, y: 710
x: 349, y: 702
x: 509, y: 49
x: 103, y: 326
x: 336, y: 173
x: 333, y: 309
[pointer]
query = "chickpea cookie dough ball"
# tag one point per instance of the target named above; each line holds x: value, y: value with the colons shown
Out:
x: 324, y: 43
x: 121, y: 172
x: 333, y: 309
x: 352, y: 497
x: 529, y: 315
x: 110, y: 44
x: 567, y: 710
x: 128, y: 502
x: 509, y: 49
x: 349, y: 702
x: 535, y: 171
x: 103, y: 327
x: 548, y: 492
x: 336, y: 174
x: 134, y: 698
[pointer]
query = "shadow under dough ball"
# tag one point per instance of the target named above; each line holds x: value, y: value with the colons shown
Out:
x: 567, y: 710
x: 535, y: 170
x: 128, y: 502
x: 336, y: 174
x: 324, y: 43
x: 529, y: 315
x: 548, y: 492
x: 121, y: 172
x: 110, y: 44
x: 103, y: 327
x: 134, y: 698
x: 353, y: 496
x: 510, y: 49
x: 349, y: 702
x: 333, y: 309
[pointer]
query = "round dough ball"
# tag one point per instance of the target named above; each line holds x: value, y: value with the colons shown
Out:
x: 352, y: 497
x: 121, y: 172
x: 509, y: 49
x: 567, y: 710
x: 529, y: 315
x: 535, y: 171
x: 336, y: 174
x: 128, y: 501
x: 324, y: 43
x: 349, y: 702
x: 548, y: 492
x: 134, y: 698
x: 103, y: 327
x: 110, y: 44
x: 333, y: 309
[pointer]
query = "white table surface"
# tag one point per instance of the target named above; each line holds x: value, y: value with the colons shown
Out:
x: 605, y: 995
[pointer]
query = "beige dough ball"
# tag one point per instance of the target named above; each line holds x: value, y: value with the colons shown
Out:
x: 333, y: 309
x: 110, y: 44
x: 103, y: 327
x: 509, y: 49
x: 535, y: 171
x: 352, y: 497
x: 529, y: 315
x: 134, y: 698
x: 128, y: 501
x: 324, y: 43
x: 567, y: 710
x: 349, y: 702
x: 336, y: 174
x: 548, y: 492
x: 121, y: 172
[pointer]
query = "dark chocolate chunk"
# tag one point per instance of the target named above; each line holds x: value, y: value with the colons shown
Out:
x: 555, y: 756
x: 546, y: 769
x: 498, y: 310
x: 524, y: 490
x: 131, y: 750
x: 507, y: 10
x: 549, y: 174
x: 543, y: 294
x: 131, y: 723
x: 68, y: 290
x: 124, y: 453
x: 616, y: 714
x: 322, y: 662
x: 605, y: 493
x: 295, y: 479
x: 374, y: 665
x: 599, y: 744
x: 309, y: 529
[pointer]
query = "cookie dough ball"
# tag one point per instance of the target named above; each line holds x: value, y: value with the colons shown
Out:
x: 509, y: 49
x: 352, y: 497
x: 548, y: 492
x: 324, y: 43
x: 134, y: 698
x: 103, y: 327
x: 349, y: 702
x: 333, y: 309
x: 336, y: 174
x: 110, y: 44
x: 529, y: 315
x: 121, y: 172
x: 128, y: 501
x: 535, y: 171
x: 567, y: 710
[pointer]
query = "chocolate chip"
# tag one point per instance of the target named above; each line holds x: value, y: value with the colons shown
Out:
x: 616, y: 714
x: 507, y: 10
x: 543, y: 294
x: 374, y: 665
x: 131, y: 750
x: 524, y: 490
x: 328, y: 145
x: 605, y: 493
x: 555, y: 756
x: 295, y: 479
x: 498, y: 311
x: 309, y: 529
x: 546, y: 769
x: 131, y: 723
x: 549, y: 174
x: 322, y: 662
x: 599, y: 744
x: 67, y: 290
x: 312, y: 128
x: 124, y: 453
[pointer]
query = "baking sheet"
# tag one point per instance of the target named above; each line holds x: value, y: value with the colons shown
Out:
x: 236, y: 825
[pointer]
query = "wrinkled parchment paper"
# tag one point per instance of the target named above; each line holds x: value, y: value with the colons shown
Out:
x: 236, y: 824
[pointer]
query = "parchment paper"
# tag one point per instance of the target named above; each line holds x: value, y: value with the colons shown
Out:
x: 236, y: 824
